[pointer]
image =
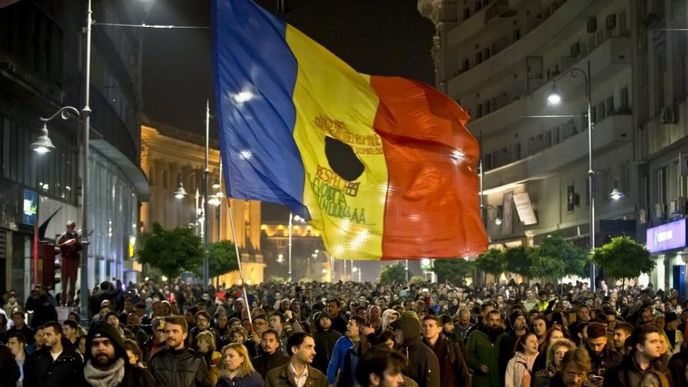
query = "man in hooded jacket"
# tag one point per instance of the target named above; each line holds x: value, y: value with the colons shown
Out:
x: 422, y: 365
x: 107, y: 363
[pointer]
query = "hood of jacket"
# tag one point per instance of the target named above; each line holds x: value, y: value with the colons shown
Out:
x: 411, y: 328
x: 103, y: 330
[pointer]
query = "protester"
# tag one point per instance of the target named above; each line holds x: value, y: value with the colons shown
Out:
x: 177, y: 365
x: 17, y: 345
x: 519, y: 371
x: 482, y: 352
x: 422, y: 364
x: 107, y: 362
x: 646, y: 344
x: 54, y: 365
x: 236, y: 369
x: 555, y: 355
x: 298, y: 371
x: 381, y: 367
x: 453, y: 368
x: 272, y: 356
x: 9, y: 370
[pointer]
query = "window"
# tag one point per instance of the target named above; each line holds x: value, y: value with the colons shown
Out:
x: 623, y: 94
x: 610, y: 105
x: 517, y: 34
x: 600, y: 111
x: 466, y: 13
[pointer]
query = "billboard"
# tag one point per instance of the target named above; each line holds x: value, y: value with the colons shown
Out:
x: 668, y: 236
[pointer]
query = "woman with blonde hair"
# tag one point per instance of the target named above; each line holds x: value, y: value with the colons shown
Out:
x: 236, y: 368
x: 555, y: 355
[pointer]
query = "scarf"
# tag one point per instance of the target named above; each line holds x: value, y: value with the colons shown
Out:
x: 110, y: 377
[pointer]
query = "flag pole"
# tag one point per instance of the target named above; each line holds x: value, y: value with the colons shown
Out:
x: 238, y: 257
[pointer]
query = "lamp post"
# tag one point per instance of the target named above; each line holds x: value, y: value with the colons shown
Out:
x: 555, y: 99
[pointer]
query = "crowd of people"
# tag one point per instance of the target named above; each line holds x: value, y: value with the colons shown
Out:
x: 347, y: 334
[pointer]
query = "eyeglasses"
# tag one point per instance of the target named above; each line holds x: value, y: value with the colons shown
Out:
x: 160, y: 330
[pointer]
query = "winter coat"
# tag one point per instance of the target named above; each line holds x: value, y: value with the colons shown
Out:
x: 180, y: 368
x: 9, y: 371
x: 41, y: 371
x: 342, y: 345
x: 422, y: 365
x: 628, y: 373
x: 677, y: 367
x: 607, y: 359
x: 453, y: 368
x: 281, y: 377
x: 481, y: 350
x: 252, y: 380
x: 265, y: 363
x: 517, y: 368
x: 324, y: 345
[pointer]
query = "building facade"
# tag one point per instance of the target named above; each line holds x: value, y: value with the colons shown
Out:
x: 171, y: 159
x: 41, y: 70
x: 500, y: 60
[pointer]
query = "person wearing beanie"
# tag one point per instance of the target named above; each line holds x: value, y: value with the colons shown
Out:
x: 325, y: 338
x: 107, y: 362
x: 673, y: 334
x: 422, y: 364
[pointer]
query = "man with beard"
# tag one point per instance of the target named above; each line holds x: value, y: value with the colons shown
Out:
x: 272, y: 356
x: 646, y: 349
x: 602, y: 356
x: 482, y: 352
x: 53, y: 365
x: 422, y: 365
x: 176, y: 365
x: 107, y: 362
x: 298, y: 371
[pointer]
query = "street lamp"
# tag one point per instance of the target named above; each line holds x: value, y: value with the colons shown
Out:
x: 554, y: 99
x: 42, y: 146
x: 180, y: 193
x: 357, y: 269
x: 43, y: 143
x: 616, y: 193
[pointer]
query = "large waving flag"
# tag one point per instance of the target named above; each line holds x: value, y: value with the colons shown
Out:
x: 383, y: 166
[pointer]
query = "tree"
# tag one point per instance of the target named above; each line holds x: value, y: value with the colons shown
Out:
x: 393, y: 274
x: 491, y: 262
x: 555, y: 258
x: 221, y: 258
x: 623, y: 258
x: 452, y: 270
x: 517, y: 260
x: 171, y: 251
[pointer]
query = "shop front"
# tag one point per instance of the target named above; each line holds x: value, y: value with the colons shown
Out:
x: 667, y: 243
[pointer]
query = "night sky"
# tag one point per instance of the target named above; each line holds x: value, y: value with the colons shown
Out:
x: 383, y: 37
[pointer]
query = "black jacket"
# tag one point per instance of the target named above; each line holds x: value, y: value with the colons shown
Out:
x: 41, y: 371
x: 265, y: 363
x: 324, y: 342
x: 628, y: 373
x: 422, y: 364
x: 453, y: 368
x: 9, y: 371
x: 180, y: 368
x: 677, y: 367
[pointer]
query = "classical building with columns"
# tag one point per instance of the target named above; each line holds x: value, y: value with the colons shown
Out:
x: 172, y: 158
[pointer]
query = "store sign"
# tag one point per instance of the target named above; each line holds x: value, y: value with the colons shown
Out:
x: 30, y: 207
x: 668, y: 236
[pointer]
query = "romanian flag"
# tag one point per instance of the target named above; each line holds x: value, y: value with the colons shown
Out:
x: 384, y: 167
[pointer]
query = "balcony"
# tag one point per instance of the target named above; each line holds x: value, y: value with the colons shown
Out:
x: 612, y: 131
x: 608, y: 59
x: 553, y: 29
